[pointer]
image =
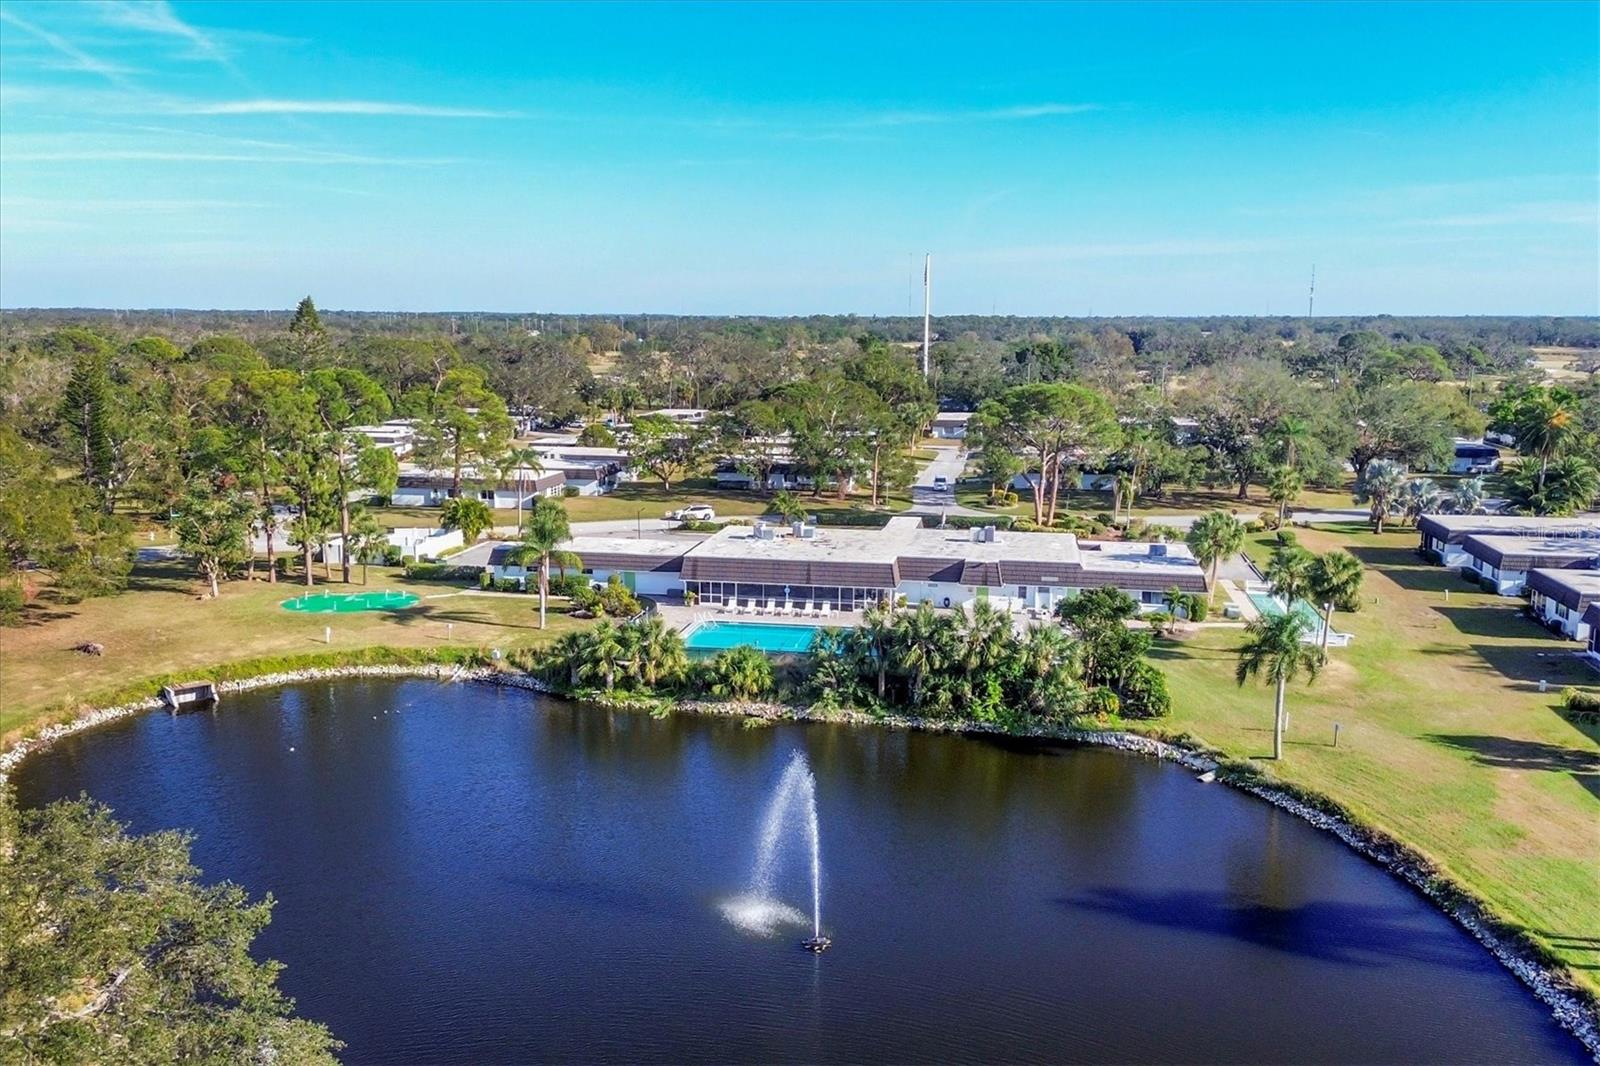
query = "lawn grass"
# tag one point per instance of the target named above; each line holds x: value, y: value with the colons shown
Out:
x: 1446, y: 742
x: 159, y: 627
x: 1177, y: 501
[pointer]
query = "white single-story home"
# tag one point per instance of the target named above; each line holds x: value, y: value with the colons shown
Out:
x: 950, y: 425
x: 1502, y: 563
x: 1591, y: 618
x: 646, y: 567
x: 1561, y: 598
x: 1474, y: 457
x: 421, y: 487
x: 1442, y: 535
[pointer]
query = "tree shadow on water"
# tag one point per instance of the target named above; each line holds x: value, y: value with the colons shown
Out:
x: 1347, y: 934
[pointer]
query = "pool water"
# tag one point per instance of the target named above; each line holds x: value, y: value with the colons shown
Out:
x: 349, y: 602
x: 770, y: 637
x: 1271, y: 607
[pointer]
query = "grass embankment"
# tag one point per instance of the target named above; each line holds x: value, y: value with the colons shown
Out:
x: 1446, y: 742
x: 159, y: 629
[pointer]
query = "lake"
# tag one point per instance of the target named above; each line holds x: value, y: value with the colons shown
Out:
x: 472, y: 874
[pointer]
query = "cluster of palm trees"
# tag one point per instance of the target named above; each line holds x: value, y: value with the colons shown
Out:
x: 1388, y: 492
x: 645, y: 654
x: 968, y: 664
x: 650, y: 657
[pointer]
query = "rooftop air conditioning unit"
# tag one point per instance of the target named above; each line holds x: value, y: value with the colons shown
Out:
x: 977, y: 534
x: 808, y: 531
x: 1158, y: 550
x: 764, y: 531
x: 798, y: 528
x: 988, y: 534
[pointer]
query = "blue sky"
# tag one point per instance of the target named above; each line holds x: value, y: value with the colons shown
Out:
x: 1113, y: 159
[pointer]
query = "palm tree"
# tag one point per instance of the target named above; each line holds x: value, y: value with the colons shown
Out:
x: 787, y: 505
x: 877, y: 631
x: 571, y: 649
x: 520, y: 461
x: 1469, y: 495
x: 1213, y: 537
x: 1418, y: 497
x: 605, y: 653
x: 660, y: 652
x: 1284, y: 488
x: 1273, y: 648
x: 1179, y: 602
x: 741, y: 673
x: 1288, y: 572
x: 1335, y: 582
x: 1569, y: 483
x: 1293, y: 434
x: 1050, y: 670
x: 366, y: 536
x: 469, y: 515
x: 1121, y: 491
x: 1545, y: 424
x: 546, y: 530
x: 924, y: 641
x: 1379, y: 487
x: 834, y: 664
x: 986, y: 637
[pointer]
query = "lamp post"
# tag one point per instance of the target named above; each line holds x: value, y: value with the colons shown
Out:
x: 638, y: 525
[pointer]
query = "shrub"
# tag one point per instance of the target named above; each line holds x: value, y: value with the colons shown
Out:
x: 1254, y: 526
x: 1160, y: 622
x: 12, y: 600
x: 1286, y: 537
x: 485, y: 580
x: 1101, y: 702
x: 1197, y: 609
x: 1104, y: 518
x: 569, y: 491
x: 616, y: 600
x: 1580, y: 705
x: 508, y: 584
x: 392, y: 555
x: 1144, y: 693
x: 585, y: 599
x: 1269, y: 520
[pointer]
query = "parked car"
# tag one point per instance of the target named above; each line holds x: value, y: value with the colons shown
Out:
x: 941, y: 483
x: 695, y: 512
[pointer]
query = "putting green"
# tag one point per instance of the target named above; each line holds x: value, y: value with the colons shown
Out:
x: 348, y: 602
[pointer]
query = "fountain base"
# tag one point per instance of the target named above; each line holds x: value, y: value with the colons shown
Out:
x: 817, y: 944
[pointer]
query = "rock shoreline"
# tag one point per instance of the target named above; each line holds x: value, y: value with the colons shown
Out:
x: 1573, y: 1008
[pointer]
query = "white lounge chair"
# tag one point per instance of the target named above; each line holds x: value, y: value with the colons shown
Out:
x: 750, y: 607
x: 788, y: 608
x: 772, y: 606
x: 738, y: 607
x: 807, y: 610
x: 827, y: 611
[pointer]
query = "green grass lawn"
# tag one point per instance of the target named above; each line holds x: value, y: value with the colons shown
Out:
x: 1446, y: 741
x: 159, y: 626
x: 1175, y: 501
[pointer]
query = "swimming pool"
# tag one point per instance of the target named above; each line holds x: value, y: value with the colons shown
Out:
x: 774, y: 638
x: 348, y: 602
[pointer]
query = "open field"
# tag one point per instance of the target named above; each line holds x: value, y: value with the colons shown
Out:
x: 1446, y: 741
x: 1557, y: 364
x: 158, y: 626
x: 1176, y: 501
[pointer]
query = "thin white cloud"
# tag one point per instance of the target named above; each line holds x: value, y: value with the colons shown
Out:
x: 336, y: 107
x: 157, y: 17
x: 1551, y: 213
x: 1016, y: 113
x: 1166, y: 248
x: 77, y: 57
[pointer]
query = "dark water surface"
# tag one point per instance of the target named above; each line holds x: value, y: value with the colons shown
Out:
x: 466, y: 874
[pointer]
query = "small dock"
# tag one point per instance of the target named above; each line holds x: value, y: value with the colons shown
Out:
x: 189, y: 694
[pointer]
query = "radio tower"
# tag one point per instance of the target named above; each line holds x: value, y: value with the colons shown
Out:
x: 927, y: 307
x: 1311, y: 297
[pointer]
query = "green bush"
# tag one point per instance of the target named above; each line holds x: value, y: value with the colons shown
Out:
x: 616, y: 600
x: 1104, y: 518
x: 569, y: 491
x: 485, y: 580
x: 569, y: 585
x: 1269, y: 520
x: 1580, y: 705
x: 392, y: 555
x: 969, y: 521
x: 1101, y: 702
x: 1144, y: 693
x: 12, y: 600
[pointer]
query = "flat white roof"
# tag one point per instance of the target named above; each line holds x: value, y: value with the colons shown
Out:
x: 905, y: 537
x: 598, y: 545
x: 1513, y: 524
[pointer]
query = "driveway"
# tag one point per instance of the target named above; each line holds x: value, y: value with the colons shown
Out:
x: 948, y: 463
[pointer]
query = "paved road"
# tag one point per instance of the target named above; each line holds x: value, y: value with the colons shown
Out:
x: 925, y: 499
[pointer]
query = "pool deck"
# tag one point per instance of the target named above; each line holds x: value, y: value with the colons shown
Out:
x: 682, y: 618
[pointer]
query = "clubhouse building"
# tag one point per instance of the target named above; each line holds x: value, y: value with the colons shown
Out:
x: 853, y: 568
